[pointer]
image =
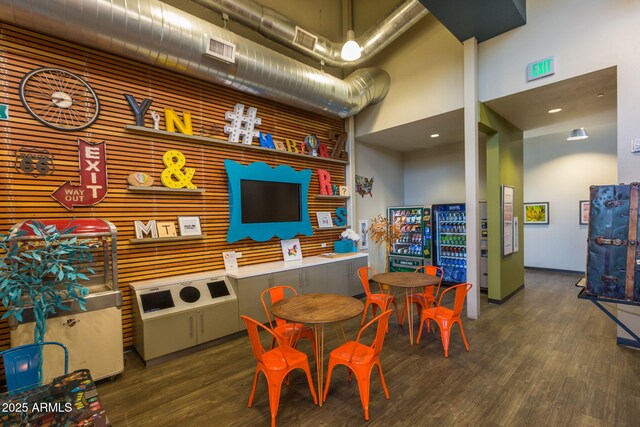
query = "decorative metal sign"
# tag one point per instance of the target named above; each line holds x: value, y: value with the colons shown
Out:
x: 364, y: 185
x: 174, y: 176
x: 339, y: 149
x: 241, y: 125
x: 34, y: 161
x: 93, y: 177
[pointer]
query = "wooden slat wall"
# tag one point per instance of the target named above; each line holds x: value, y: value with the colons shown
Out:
x: 25, y: 197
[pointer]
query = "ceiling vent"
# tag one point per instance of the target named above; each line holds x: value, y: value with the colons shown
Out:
x: 220, y: 49
x: 304, y: 39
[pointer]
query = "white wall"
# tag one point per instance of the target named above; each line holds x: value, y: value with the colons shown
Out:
x: 435, y: 175
x: 560, y: 172
x: 425, y: 65
x: 385, y: 166
x: 585, y: 36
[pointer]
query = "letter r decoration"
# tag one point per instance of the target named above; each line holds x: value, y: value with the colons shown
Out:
x: 325, y: 182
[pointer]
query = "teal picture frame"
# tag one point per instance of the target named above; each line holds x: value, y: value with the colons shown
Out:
x: 264, y: 231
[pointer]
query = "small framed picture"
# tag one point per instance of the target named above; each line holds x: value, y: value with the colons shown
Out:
x: 585, y: 206
x: 189, y: 225
x: 324, y: 219
x: 363, y: 227
x: 166, y: 228
x: 536, y: 213
x: 291, y: 250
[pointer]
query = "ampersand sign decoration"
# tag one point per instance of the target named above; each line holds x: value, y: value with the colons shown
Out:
x: 174, y: 176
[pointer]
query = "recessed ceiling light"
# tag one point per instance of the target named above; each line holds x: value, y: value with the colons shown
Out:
x: 554, y: 110
x: 435, y: 135
x: 600, y: 95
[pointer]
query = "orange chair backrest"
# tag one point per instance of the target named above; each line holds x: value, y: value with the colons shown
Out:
x: 378, y: 341
x: 254, y: 337
x: 276, y: 293
x: 461, y: 291
x: 363, y: 274
x: 432, y: 270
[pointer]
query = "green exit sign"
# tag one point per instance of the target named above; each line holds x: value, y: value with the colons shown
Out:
x: 542, y: 68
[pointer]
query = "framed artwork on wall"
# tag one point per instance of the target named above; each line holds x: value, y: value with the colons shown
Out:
x: 189, y: 225
x: 291, y: 250
x: 536, y: 213
x: 324, y: 219
x: 507, y: 220
x: 585, y: 206
x: 363, y: 226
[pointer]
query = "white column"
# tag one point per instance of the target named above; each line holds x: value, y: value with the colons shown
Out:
x: 350, y: 172
x: 471, y: 173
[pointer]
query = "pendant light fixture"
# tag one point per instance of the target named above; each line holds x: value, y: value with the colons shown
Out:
x: 577, y: 134
x: 351, y: 50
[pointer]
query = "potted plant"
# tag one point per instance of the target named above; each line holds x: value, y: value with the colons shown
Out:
x: 384, y: 232
x: 42, y: 272
x: 351, y: 237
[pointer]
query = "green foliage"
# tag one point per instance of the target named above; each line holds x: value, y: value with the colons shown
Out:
x: 43, y: 273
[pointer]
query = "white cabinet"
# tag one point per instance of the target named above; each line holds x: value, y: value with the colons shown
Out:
x: 248, y: 291
x: 174, y: 332
x: 343, y: 277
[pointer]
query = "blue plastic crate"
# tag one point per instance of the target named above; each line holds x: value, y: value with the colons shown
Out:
x: 344, y: 246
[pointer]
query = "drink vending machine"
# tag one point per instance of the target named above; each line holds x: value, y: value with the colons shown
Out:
x: 450, y: 241
x: 413, y: 248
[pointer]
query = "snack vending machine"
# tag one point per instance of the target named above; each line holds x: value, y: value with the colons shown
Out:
x: 413, y: 248
x: 450, y: 241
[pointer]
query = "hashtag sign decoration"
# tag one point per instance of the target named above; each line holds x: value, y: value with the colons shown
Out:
x: 242, y: 125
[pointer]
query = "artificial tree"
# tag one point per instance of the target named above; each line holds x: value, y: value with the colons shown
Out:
x: 384, y: 232
x: 42, y: 273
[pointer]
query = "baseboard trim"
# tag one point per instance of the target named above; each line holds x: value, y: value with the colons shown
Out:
x: 505, y: 299
x: 628, y: 342
x: 556, y: 270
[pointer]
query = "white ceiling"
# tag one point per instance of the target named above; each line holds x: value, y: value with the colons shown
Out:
x: 528, y: 110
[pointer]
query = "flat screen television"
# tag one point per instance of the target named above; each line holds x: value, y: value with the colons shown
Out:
x: 270, y: 201
x: 266, y: 202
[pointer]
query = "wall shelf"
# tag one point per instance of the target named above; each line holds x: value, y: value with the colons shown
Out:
x: 343, y: 227
x: 326, y: 196
x: 216, y: 141
x: 155, y: 189
x: 166, y: 239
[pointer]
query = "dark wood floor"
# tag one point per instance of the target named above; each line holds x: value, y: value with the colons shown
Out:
x: 544, y: 358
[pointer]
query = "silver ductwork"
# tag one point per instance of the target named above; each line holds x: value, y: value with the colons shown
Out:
x: 281, y: 29
x: 155, y: 33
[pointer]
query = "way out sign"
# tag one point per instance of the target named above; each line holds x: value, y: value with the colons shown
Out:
x: 93, y: 177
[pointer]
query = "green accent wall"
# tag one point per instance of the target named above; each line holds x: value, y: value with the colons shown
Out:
x: 504, y: 167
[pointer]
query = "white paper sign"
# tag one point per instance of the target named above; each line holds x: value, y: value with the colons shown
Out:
x: 230, y: 260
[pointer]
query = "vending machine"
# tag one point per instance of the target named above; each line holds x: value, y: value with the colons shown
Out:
x: 450, y: 241
x: 413, y: 248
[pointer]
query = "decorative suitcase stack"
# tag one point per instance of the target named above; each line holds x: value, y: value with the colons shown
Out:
x: 613, y: 259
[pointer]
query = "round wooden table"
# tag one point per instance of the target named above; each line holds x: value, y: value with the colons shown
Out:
x: 409, y: 281
x: 318, y: 309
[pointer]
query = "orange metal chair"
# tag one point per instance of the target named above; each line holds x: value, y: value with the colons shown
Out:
x: 446, y: 317
x: 360, y: 359
x: 275, y: 364
x: 428, y: 296
x: 381, y: 300
x: 289, y: 333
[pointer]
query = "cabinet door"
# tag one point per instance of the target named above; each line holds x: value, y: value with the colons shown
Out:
x: 354, y: 286
x: 249, y: 304
x: 338, y: 277
x: 213, y: 322
x: 315, y: 280
x: 293, y: 278
x: 165, y: 335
